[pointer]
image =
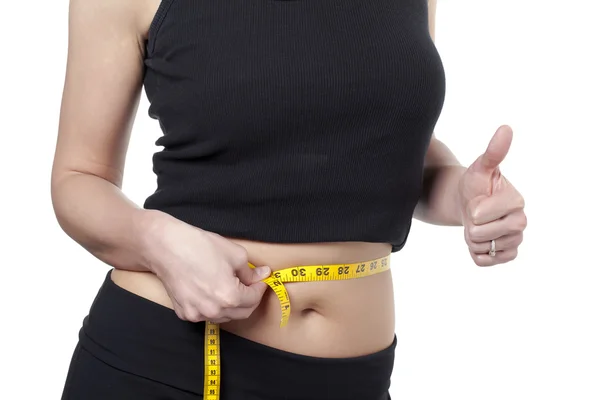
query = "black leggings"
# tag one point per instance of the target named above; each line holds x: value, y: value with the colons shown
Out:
x: 131, y: 348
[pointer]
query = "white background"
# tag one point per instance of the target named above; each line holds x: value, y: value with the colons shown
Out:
x: 526, y: 330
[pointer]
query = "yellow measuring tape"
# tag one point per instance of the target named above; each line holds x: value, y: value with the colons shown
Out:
x: 305, y: 273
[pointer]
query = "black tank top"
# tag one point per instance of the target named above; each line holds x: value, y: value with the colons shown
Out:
x: 293, y: 121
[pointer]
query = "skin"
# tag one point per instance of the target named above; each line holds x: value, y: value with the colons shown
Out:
x: 202, y: 275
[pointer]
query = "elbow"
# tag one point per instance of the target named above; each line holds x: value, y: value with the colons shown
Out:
x: 67, y: 189
x: 59, y: 197
x: 70, y: 189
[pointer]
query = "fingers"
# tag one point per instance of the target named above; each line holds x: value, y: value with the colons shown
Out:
x: 240, y: 304
x: 251, y: 289
x: 219, y: 310
x: 240, y: 312
x: 229, y: 300
x: 502, y: 243
x: 512, y: 224
x: 507, y: 232
x: 248, y: 275
x: 501, y: 257
x: 194, y: 314
x: 213, y: 313
x: 485, y: 209
x: 251, y: 295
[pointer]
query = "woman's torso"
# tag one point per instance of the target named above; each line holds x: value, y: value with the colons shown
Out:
x: 311, y: 117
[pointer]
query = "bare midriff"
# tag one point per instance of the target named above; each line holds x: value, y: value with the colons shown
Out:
x: 329, y: 319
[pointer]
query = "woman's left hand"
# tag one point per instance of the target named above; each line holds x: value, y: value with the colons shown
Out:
x: 492, y: 209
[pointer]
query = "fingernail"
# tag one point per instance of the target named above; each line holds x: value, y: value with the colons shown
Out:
x: 263, y: 271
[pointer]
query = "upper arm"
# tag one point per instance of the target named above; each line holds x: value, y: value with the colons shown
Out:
x: 432, y: 4
x: 101, y: 89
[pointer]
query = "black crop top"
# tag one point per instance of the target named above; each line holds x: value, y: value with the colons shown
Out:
x: 293, y: 121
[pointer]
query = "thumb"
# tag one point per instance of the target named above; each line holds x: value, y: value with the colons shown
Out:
x: 249, y: 275
x: 496, y: 151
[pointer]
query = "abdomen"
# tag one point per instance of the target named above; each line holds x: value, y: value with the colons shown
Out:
x: 329, y: 319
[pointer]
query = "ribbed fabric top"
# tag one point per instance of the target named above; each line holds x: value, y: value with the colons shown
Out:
x: 293, y: 121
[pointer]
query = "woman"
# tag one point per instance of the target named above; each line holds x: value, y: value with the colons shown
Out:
x: 295, y: 133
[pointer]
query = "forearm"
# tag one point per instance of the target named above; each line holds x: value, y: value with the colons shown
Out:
x: 97, y: 215
x: 439, y: 203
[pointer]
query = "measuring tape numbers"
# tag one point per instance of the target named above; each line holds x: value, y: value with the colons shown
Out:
x: 304, y: 273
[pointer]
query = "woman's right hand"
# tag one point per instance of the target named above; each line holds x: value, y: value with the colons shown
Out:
x: 206, y: 275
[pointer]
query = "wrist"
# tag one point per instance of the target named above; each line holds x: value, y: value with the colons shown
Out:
x: 149, y: 226
x: 449, y: 180
x: 458, y: 201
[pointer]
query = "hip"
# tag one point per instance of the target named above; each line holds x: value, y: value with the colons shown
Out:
x: 130, y: 347
x: 346, y: 318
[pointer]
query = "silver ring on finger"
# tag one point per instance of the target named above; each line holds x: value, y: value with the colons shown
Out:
x: 492, y: 251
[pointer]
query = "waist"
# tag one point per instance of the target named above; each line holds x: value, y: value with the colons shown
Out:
x: 147, y: 340
x: 328, y: 319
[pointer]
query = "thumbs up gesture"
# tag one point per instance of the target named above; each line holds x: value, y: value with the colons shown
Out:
x: 492, y: 209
